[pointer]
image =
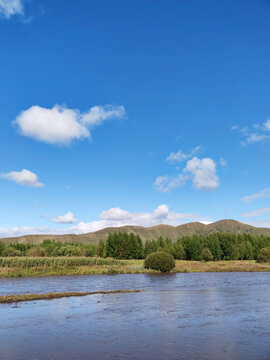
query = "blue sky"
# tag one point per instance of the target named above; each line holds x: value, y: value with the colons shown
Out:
x: 133, y: 112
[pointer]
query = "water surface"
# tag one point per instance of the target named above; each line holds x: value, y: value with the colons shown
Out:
x: 183, y: 316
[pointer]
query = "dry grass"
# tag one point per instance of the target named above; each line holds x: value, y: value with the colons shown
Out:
x: 221, y: 266
x: 125, y: 267
x: 31, y: 297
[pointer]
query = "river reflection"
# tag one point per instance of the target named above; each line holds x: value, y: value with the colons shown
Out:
x: 184, y: 316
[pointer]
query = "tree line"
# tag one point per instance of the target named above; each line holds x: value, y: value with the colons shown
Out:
x: 215, y: 246
x: 47, y: 248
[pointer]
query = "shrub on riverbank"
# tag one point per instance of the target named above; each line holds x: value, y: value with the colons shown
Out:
x: 36, y: 251
x: 160, y: 260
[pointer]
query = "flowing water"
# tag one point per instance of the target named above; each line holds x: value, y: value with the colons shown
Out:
x: 213, y: 316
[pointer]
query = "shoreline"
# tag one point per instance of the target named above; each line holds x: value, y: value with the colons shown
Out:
x: 128, y: 267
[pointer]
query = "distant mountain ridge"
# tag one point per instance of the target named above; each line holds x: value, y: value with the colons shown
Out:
x: 172, y: 232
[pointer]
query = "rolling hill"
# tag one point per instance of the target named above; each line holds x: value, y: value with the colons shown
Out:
x: 226, y: 226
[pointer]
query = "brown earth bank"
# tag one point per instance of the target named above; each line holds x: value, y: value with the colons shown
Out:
x: 147, y: 233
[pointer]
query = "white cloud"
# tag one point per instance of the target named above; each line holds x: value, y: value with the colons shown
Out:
x: 68, y: 218
x: 262, y: 194
x: 267, y: 124
x: 24, y: 177
x: 257, y: 212
x: 259, y: 135
x: 205, y: 222
x: 60, y: 125
x: 254, y: 138
x: 114, y: 217
x: 97, y: 114
x: 115, y: 214
x: 167, y: 183
x: 25, y: 230
x: 180, y: 156
x: 11, y: 7
x: 119, y: 217
x: 203, y: 173
x: 234, y: 127
x: 258, y: 223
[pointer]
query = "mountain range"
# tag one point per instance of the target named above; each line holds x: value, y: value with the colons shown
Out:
x: 172, y: 232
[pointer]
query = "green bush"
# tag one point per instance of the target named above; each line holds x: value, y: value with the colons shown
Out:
x: 10, y: 251
x: 206, y: 254
x: 264, y: 255
x: 160, y: 260
x: 70, y: 250
x: 36, y: 252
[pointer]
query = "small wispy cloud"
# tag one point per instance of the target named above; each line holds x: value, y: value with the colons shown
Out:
x: 260, y: 133
x: 9, y: 8
x: 167, y: 183
x: 261, y: 194
x: 257, y: 212
x: 181, y: 156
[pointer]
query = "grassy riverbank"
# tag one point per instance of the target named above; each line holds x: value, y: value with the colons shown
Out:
x: 23, y: 266
x: 8, y: 299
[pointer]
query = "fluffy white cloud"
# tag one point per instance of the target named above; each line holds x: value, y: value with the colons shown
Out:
x: 262, y: 194
x: 10, y: 7
x: 257, y: 212
x: 180, y: 156
x: 203, y: 173
x: 24, y: 177
x: 60, y: 125
x: 68, y: 218
x: 115, y: 214
x: 114, y: 217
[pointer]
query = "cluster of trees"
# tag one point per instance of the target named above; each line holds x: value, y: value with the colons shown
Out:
x: 47, y: 248
x: 121, y: 246
x: 215, y: 246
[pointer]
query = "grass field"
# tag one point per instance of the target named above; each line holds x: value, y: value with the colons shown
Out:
x: 25, y: 266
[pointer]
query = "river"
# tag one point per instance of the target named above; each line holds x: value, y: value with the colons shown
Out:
x: 211, y: 316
